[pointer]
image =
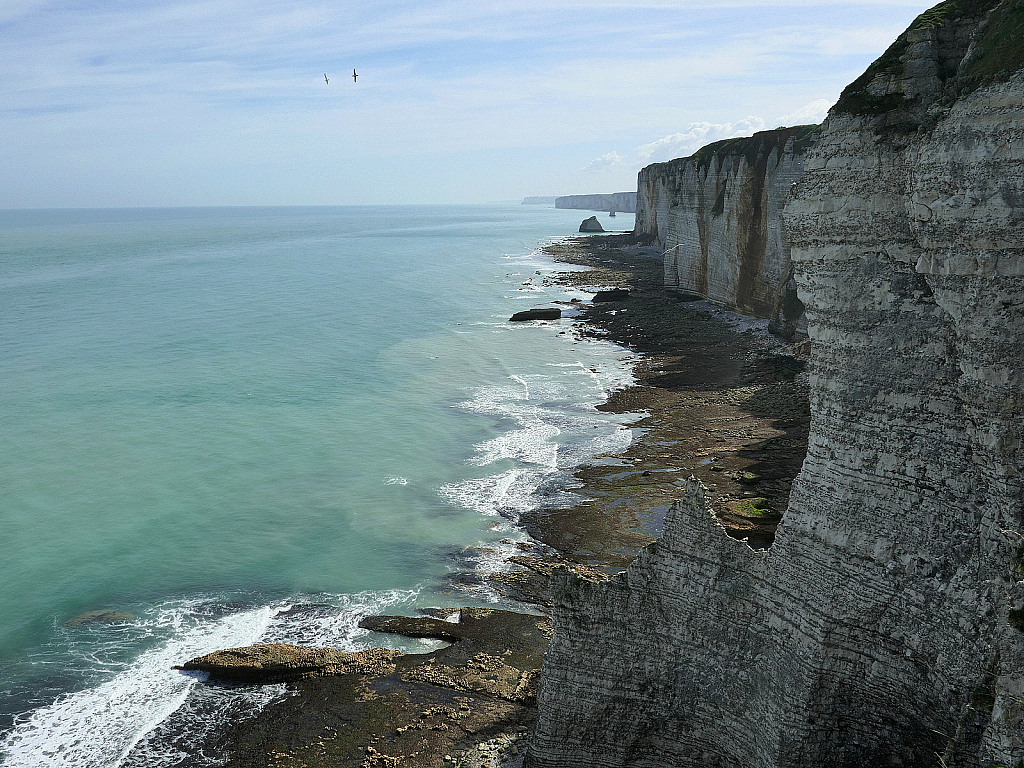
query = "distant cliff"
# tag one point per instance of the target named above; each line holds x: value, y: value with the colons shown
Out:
x: 623, y: 202
x: 885, y: 626
x: 539, y: 200
x: 718, y: 216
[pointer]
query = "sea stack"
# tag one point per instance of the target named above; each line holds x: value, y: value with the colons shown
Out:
x: 591, y: 225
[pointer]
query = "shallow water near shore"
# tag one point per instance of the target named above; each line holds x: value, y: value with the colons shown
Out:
x: 256, y: 425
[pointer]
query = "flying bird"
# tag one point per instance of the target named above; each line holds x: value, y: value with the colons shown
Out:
x: 325, y: 79
x: 354, y: 76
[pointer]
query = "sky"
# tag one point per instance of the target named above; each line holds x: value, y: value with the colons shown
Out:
x: 124, y: 103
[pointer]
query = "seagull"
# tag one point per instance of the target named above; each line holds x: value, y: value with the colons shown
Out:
x: 325, y: 79
x: 354, y: 76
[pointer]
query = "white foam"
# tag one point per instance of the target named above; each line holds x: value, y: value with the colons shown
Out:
x: 98, y: 727
x: 336, y: 624
x: 556, y: 428
x: 136, y: 718
x: 396, y: 481
x: 526, y: 386
x: 529, y: 445
x: 508, y: 494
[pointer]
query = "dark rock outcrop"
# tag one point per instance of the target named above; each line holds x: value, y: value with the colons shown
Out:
x: 613, y: 294
x: 538, y: 313
x: 883, y: 627
x: 279, y: 662
x: 383, y: 709
x: 591, y: 225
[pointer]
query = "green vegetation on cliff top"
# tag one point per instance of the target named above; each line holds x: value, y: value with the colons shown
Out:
x: 1000, y: 49
x: 757, y: 508
x: 998, y: 52
x: 761, y: 142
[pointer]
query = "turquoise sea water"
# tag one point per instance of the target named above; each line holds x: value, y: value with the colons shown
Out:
x: 214, y: 417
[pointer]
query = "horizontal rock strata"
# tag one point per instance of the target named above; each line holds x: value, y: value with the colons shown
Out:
x: 884, y: 626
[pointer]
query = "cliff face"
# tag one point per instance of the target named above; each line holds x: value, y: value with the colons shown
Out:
x: 885, y: 626
x: 718, y: 216
x: 623, y: 202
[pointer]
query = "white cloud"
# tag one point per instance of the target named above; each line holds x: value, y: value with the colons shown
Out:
x: 807, y: 115
x: 613, y: 161
x: 698, y: 135
x: 676, y: 145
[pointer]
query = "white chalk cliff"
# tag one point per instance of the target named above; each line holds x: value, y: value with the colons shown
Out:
x: 718, y: 217
x: 621, y: 202
x: 885, y: 626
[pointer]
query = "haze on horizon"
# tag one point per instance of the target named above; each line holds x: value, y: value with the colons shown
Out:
x: 223, y: 102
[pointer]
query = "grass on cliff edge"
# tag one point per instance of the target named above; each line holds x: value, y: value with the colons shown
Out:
x: 1000, y: 49
x: 762, y: 141
x: 998, y: 53
x: 758, y: 507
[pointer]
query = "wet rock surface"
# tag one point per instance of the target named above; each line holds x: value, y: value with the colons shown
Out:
x: 613, y: 294
x: 383, y: 708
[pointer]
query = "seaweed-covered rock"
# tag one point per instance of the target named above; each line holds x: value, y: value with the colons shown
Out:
x: 591, y: 225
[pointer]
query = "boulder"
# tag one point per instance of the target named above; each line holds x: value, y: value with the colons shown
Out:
x: 591, y: 225
x: 614, y: 294
x: 539, y: 313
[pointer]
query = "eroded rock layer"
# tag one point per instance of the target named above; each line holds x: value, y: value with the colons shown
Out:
x: 885, y: 627
x: 718, y: 217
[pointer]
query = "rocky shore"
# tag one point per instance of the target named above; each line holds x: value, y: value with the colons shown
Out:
x: 717, y: 398
x: 726, y: 403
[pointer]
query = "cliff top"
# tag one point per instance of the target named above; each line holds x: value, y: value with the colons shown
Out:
x: 974, y: 43
x: 762, y: 141
x: 749, y: 147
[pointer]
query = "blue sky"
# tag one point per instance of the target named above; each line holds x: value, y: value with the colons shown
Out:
x: 223, y: 102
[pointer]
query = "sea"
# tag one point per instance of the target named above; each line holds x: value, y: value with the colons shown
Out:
x: 252, y: 425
